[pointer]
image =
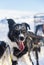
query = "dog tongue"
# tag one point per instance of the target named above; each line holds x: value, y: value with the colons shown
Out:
x: 21, y: 46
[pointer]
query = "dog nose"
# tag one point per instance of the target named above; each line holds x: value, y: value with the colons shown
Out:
x: 21, y: 38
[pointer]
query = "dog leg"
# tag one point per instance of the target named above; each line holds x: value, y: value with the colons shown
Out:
x: 14, y: 62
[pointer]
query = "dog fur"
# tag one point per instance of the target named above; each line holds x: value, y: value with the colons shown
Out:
x: 4, y: 54
x: 13, y: 39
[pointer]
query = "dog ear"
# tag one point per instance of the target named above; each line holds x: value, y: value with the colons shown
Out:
x: 27, y: 25
x: 11, y: 22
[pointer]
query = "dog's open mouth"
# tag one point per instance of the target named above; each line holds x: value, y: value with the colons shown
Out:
x: 21, y: 45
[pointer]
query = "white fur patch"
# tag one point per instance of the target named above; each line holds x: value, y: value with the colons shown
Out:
x: 25, y: 59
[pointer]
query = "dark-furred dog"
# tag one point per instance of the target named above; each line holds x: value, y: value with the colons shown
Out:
x: 17, y: 41
x: 20, y: 41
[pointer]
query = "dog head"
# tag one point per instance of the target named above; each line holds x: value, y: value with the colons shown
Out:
x: 17, y: 33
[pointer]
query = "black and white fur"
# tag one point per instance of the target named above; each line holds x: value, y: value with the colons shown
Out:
x: 17, y: 33
x: 4, y: 54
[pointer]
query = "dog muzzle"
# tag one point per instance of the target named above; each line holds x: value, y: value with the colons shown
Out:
x: 21, y: 37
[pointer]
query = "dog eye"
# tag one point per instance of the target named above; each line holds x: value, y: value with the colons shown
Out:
x: 16, y: 32
x: 17, y: 28
x: 23, y: 31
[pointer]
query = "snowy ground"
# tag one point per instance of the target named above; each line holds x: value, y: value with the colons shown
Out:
x: 3, y: 33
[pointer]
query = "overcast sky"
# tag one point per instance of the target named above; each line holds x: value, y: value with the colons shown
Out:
x: 23, y: 5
